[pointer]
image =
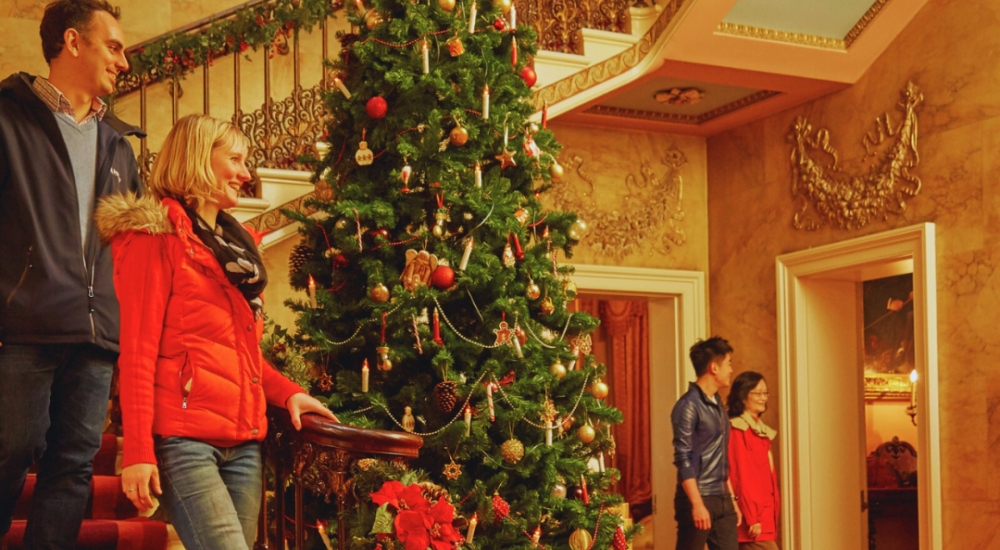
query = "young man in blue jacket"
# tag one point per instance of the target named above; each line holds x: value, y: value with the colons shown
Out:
x: 704, y: 505
x: 60, y: 151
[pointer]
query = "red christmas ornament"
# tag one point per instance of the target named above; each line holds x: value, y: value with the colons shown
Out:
x: 500, y: 508
x: 618, y: 542
x: 443, y: 277
x: 529, y: 76
x: 340, y: 261
x: 377, y: 107
x: 499, y: 24
x: 376, y: 233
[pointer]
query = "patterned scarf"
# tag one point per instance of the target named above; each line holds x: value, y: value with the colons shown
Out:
x: 237, y: 254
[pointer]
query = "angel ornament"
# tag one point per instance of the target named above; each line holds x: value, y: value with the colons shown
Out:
x: 419, y: 266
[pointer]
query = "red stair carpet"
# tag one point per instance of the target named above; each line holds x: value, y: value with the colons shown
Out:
x: 111, y: 523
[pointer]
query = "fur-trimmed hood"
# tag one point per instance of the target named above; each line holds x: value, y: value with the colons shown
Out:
x: 117, y: 214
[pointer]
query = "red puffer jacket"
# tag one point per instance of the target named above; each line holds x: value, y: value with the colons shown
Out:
x: 190, y: 362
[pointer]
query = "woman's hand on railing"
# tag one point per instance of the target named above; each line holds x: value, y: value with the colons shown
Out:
x: 304, y: 403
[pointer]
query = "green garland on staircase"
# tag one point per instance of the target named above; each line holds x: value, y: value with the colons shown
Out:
x: 252, y: 26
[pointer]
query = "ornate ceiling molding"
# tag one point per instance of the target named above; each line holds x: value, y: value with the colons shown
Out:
x: 611, y: 67
x: 657, y: 116
x: 865, y: 20
x: 803, y: 39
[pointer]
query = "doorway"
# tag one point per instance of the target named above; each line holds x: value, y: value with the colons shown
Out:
x: 819, y: 366
x: 677, y: 319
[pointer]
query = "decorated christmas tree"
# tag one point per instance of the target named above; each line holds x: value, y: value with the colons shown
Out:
x: 433, y: 297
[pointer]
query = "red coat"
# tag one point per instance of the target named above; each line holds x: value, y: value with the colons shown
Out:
x: 190, y: 362
x: 754, y: 480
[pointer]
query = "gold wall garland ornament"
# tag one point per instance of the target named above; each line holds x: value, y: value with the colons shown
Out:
x: 649, y: 212
x: 854, y: 201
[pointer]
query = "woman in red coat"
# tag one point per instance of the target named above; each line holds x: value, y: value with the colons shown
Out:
x: 751, y: 464
x: 194, y: 385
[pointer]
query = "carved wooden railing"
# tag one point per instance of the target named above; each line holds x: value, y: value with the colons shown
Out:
x: 281, y: 131
x: 319, y: 458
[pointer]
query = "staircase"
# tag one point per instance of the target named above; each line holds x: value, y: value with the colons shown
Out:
x: 111, y: 522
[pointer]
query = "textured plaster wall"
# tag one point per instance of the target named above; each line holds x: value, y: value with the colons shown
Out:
x: 951, y: 50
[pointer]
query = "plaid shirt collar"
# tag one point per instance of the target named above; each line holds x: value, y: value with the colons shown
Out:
x: 57, y: 102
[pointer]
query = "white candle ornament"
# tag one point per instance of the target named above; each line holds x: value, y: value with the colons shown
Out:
x: 340, y: 86
x: 364, y: 377
x: 425, y: 52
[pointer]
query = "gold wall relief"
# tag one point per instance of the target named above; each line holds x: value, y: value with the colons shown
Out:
x: 649, y: 212
x: 854, y: 201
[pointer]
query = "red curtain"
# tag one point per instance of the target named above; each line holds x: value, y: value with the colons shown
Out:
x: 623, y: 345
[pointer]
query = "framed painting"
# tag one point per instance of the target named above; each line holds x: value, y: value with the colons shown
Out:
x: 888, y: 336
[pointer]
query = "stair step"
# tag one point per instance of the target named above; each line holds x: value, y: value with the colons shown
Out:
x: 97, y: 534
x: 106, y: 499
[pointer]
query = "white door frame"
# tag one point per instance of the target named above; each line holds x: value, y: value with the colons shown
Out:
x: 678, y: 317
x: 857, y: 259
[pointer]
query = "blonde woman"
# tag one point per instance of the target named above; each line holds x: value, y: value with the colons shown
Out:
x: 194, y: 386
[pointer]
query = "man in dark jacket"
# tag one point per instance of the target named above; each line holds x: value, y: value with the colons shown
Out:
x: 59, y: 152
x: 704, y: 506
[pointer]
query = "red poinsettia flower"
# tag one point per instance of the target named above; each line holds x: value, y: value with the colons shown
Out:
x: 401, y: 497
x: 418, y: 530
x: 442, y: 532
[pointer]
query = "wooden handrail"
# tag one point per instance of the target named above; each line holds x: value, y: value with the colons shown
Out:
x: 319, y: 430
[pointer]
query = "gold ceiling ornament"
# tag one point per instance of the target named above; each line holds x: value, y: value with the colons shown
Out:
x: 648, y: 213
x: 852, y: 202
x: 679, y: 96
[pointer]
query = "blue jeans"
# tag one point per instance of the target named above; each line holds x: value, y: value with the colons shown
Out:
x: 53, y: 401
x: 211, y: 494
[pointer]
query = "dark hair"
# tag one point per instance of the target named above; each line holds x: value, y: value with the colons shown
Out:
x: 68, y: 14
x: 703, y: 352
x: 740, y: 390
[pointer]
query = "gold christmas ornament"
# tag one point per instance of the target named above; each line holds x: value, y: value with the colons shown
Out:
x: 342, y: 222
x: 559, y: 490
x: 532, y: 291
x: 373, y: 19
x: 508, y: 256
x: 569, y: 289
x: 446, y: 5
x: 557, y: 369
x: 379, y: 293
x: 599, y: 390
x: 576, y: 230
x: 440, y: 230
x: 505, y: 5
x: 533, y: 128
x: 556, y: 171
x: 586, y: 433
x: 580, y: 540
x: 512, y: 451
x: 547, y: 307
x: 383, y: 363
x: 459, y: 136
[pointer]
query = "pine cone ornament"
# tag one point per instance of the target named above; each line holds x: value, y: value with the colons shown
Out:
x: 446, y: 396
x: 434, y: 492
x: 500, y: 508
x: 300, y: 256
x: 618, y: 541
x: 512, y: 450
